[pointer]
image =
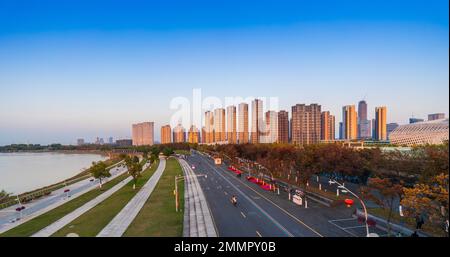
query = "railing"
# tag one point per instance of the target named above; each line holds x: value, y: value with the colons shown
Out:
x: 47, y: 190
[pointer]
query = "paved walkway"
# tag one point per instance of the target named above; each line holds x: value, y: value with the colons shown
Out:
x: 198, y: 221
x: 123, y: 219
x: 57, y: 225
x: 56, y: 199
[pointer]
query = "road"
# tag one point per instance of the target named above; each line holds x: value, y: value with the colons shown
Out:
x: 8, y: 215
x: 261, y: 213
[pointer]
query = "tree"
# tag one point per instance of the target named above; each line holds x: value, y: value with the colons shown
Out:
x: 428, y: 199
x: 135, y: 159
x: 385, y: 193
x: 153, y: 158
x: 135, y: 171
x: 167, y: 151
x: 4, y: 196
x: 99, y: 171
x: 145, y: 154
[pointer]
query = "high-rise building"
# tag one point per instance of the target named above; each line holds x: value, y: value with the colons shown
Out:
x: 166, y: 134
x: 306, y: 124
x: 203, y: 134
x: 363, y: 122
x: 231, y: 125
x: 327, y: 126
x: 373, y: 128
x: 257, y: 121
x: 341, y: 130
x: 193, y: 135
x: 179, y: 134
x: 219, y: 125
x: 349, y: 122
x: 414, y: 120
x: 362, y: 110
x: 436, y: 116
x: 270, y: 133
x: 110, y: 141
x: 283, y: 127
x: 209, y: 127
x: 243, y: 123
x: 380, y: 123
x: 142, y: 133
x: 80, y: 141
x: 364, y: 129
x: 390, y: 127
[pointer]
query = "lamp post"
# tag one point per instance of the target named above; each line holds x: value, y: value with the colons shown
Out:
x: 180, y: 178
x: 344, y: 190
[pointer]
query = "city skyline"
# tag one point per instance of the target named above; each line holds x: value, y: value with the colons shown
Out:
x: 84, y: 75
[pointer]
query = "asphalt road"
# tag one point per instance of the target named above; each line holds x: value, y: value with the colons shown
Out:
x: 259, y: 212
x: 9, y: 214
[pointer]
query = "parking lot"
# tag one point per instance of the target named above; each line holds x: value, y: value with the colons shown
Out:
x: 356, y: 228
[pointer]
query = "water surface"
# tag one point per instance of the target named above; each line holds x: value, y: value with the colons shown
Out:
x: 22, y: 172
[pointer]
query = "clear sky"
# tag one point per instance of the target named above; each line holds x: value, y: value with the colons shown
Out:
x: 71, y: 69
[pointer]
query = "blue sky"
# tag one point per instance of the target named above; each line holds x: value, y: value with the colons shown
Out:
x: 72, y: 69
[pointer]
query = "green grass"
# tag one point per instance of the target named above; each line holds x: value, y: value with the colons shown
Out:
x: 34, y: 225
x: 93, y: 221
x: 158, y: 217
x: 185, y: 152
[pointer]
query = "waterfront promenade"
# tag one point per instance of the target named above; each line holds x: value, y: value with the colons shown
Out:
x: 9, y: 216
x: 123, y: 219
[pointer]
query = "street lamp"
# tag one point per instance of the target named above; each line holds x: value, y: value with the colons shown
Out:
x: 345, y: 190
x: 180, y: 178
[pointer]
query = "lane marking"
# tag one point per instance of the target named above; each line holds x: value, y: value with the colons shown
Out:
x: 343, y: 229
x: 254, y: 204
x: 243, y: 215
x: 362, y: 226
x: 225, y: 192
x: 343, y: 219
x: 289, y: 214
x: 258, y: 233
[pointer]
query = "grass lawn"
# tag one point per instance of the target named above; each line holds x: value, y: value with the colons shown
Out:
x: 34, y: 225
x: 185, y: 152
x: 93, y: 221
x: 407, y: 221
x: 158, y: 217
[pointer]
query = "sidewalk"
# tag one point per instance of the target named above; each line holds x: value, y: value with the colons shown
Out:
x: 56, y: 199
x: 198, y: 221
x: 381, y: 223
x: 123, y: 219
x: 53, y: 228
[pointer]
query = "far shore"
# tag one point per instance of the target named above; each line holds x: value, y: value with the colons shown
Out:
x: 99, y: 152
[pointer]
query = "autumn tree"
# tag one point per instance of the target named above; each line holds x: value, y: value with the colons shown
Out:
x: 385, y: 193
x: 430, y: 199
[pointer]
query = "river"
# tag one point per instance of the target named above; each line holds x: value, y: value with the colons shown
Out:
x: 23, y: 172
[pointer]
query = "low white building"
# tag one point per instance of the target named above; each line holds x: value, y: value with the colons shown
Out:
x: 420, y: 133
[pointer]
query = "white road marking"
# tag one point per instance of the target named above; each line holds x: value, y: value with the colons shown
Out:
x: 243, y: 215
x: 292, y: 216
x: 342, y: 219
x: 275, y: 222
x: 258, y: 233
x: 361, y: 226
x: 343, y: 229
